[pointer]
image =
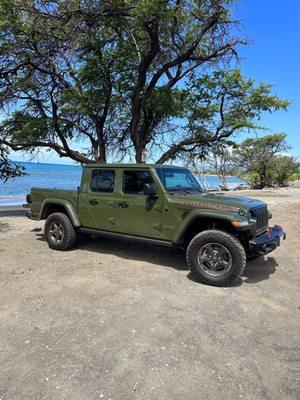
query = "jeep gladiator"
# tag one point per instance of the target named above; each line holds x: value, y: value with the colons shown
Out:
x: 164, y: 205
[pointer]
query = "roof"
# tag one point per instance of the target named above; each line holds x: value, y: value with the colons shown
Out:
x: 142, y: 165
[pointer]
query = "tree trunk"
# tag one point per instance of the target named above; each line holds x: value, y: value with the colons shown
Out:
x: 263, y: 180
x: 138, y: 153
x: 223, y: 180
x: 100, y: 150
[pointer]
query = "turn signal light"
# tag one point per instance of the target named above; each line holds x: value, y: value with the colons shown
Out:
x: 239, y: 224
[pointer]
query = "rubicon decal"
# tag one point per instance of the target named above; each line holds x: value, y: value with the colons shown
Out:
x: 210, y: 206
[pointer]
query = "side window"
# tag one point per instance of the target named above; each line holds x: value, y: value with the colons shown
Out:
x: 133, y: 181
x: 103, y: 180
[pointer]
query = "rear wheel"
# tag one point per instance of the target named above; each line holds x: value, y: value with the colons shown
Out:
x: 59, y: 231
x: 216, y: 258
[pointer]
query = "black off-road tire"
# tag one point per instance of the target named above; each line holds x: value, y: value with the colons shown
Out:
x: 69, y: 235
x: 235, y: 249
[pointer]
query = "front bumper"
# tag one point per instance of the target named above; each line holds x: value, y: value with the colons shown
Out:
x: 267, y: 242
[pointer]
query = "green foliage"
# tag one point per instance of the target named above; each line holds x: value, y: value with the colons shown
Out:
x: 223, y: 104
x: 8, y: 169
x: 228, y: 103
x: 295, y: 175
x: 23, y: 127
x: 259, y: 158
x: 281, y: 169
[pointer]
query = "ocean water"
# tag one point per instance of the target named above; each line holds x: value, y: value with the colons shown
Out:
x: 60, y: 176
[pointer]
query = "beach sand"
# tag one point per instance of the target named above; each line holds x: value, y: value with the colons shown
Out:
x: 121, y: 320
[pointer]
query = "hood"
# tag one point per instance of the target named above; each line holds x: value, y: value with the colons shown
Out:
x: 236, y: 202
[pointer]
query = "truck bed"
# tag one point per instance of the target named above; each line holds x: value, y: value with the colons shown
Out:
x: 39, y: 195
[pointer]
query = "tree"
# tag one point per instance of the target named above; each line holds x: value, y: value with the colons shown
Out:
x: 281, y: 169
x: 217, y: 160
x: 220, y: 159
x: 105, y: 74
x: 93, y: 80
x: 257, y: 155
x: 222, y: 105
x: 47, y: 50
x: 8, y: 169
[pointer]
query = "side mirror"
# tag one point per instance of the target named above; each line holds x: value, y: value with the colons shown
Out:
x: 150, y: 189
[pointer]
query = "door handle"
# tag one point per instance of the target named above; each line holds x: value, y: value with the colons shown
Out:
x: 123, y: 204
x: 93, y: 202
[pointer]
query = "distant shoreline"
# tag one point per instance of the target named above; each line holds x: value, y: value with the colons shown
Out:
x: 45, y: 163
x: 10, y: 211
x: 12, y: 201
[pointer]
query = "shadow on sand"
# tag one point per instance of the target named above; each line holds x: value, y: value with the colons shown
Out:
x: 256, y: 270
x: 4, y: 226
x: 259, y: 269
x: 9, y: 212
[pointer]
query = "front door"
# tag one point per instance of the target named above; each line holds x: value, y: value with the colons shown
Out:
x: 97, y: 205
x: 137, y: 213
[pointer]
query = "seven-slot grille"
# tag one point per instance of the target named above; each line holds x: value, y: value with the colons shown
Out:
x: 261, y: 215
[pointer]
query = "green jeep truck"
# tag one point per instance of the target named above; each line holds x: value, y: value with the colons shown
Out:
x: 164, y: 205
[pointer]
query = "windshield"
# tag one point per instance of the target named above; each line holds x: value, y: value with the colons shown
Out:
x: 177, y: 179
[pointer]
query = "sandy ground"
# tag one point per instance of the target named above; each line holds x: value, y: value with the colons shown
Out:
x: 120, y: 320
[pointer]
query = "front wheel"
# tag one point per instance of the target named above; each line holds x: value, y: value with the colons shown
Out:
x: 59, y: 232
x: 216, y: 258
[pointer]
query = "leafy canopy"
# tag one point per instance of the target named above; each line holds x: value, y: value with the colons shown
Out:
x: 93, y: 80
x: 8, y: 169
x: 259, y: 156
x: 221, y: 105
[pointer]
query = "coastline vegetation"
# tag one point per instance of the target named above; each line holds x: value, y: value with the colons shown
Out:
x: 261, y: 161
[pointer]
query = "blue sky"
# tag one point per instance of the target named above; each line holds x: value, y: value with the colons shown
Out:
x: 274, y: 56
x: 273, y: 27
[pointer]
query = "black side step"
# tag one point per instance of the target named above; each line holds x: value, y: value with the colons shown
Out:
x: 116, y: 235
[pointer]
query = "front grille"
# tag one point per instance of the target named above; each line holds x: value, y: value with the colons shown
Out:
x: 261, y: 215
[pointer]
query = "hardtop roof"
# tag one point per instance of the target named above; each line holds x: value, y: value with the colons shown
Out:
x: 135, y: 166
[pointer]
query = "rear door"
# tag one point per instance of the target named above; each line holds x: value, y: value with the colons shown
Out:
x: 137, y: 213
x: 97, y: 204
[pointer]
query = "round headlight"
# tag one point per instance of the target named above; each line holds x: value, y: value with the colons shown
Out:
x: 242, y: 211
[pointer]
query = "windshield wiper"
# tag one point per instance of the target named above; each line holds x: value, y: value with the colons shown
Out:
x: 185, y: 191
x: 197, y: 190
